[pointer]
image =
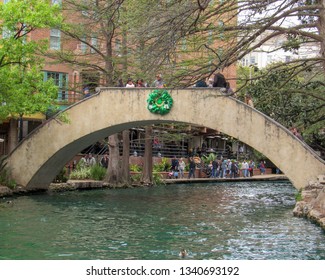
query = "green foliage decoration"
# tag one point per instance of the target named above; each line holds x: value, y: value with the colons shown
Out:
x: 159, y: 102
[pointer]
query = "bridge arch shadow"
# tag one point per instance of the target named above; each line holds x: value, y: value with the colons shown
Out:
x: 38, y: 159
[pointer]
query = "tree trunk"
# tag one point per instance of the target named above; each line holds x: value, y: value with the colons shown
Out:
x: 321, y: 31
x: 125, y: 168
x: 113, y: 171
x: 147, y: 161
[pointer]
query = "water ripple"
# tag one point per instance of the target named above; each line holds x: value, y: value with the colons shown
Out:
x: 211, y: 221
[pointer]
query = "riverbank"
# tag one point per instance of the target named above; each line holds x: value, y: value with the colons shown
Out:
x: 72, y: 185
x: 266, y: 177
x: 312, y: 204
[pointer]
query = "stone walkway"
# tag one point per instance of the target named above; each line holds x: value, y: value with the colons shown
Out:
x: 267, y: 177
x: 91, y: 184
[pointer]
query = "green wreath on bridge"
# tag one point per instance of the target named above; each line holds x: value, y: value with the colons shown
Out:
x: 159, y: 102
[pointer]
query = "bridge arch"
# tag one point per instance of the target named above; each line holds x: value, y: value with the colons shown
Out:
x: 37, y: 160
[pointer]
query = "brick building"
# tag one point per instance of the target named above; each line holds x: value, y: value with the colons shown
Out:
x: 74, y: 77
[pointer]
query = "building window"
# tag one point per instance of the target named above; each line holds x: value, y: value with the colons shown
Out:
x: 83, y: 45
x: 61, y: 81
x: 57, y: 2
x: 118, y: 46
x: 94, y: 43
x: 252, y: 60
x: 55, y: 39
x: 85, y: 8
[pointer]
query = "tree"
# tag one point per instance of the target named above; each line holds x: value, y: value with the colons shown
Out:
x: 147, y: 178
x: 223, y: 32
x: 113, y: 175
x: 281, y: 97
x: 92, y: 29
x: 23, y: 90
x: 125, y: 170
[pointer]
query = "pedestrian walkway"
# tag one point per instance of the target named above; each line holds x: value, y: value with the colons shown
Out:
x: 267, y: 177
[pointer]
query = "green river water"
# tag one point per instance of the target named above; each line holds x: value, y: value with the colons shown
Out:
x: 220, y: 221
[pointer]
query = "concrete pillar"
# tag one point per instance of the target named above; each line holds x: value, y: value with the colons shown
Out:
x: 12, y: 135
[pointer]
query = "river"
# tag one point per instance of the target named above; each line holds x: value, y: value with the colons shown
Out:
x: 220, y: 221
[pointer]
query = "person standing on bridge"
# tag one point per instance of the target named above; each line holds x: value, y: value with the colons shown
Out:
x: 140, y: 83
x: 86, y: 92
x: 295, y: 132
x: 159, y: 82
x: 129, y: 83
x: 219, y: 81
x: 249, y: 101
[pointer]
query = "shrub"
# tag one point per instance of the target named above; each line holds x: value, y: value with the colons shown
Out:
x: 298, y: 196
x: 97, y: 172
x: 164, y: 165
x: 136, y: 177
x: 157, y: 178
x: 207, y: 158
x: 80, y: 174
x: 61, y: 177
x: 6, y: 180
x: 135, y: 168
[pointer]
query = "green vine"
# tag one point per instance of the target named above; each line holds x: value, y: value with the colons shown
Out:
x: 159, y: 102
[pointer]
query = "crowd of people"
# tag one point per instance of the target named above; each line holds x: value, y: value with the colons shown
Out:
x: 157, y: 83
x: 217, y: 168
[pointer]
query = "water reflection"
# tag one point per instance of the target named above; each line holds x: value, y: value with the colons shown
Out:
x: 215, y: 221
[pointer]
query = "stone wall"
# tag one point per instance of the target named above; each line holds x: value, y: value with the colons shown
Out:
x: 312, y: 205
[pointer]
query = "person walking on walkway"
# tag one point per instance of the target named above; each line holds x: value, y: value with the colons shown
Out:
x: 214, y: 168
x: 192, y: 168
x: 181, y: 167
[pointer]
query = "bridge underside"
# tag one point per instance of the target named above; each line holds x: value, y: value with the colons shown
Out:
x: 39, y: 158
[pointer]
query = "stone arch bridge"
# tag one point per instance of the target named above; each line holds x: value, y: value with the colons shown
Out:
x: 39, y: 158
